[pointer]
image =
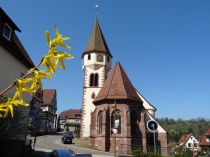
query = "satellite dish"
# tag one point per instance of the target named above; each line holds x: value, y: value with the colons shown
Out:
x: 152, y: 125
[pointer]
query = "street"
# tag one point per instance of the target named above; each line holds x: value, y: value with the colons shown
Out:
x: 45, y: 144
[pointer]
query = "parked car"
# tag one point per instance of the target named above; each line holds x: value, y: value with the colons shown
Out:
x: 66, y: 138
x: 62, y: 153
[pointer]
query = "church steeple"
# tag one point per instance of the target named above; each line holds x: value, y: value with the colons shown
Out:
x: 96, y: 42
x: 96, y: 63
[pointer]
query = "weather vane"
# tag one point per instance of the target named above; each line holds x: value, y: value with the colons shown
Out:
x: 96, y: 10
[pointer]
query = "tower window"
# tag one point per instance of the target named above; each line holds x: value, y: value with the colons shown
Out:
x: 117, y: 123
x: 89, y: 57
x: 7, y: 31
x: 91, y: 79
x: 93, y: 95
x: 100, y: 123
x: 94, y: 80
x: 107, y: 58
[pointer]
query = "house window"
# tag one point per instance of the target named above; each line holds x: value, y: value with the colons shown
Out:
x: 100, y: 123
x: 93, y: 80
x: 189, y: 144
x: 7, y: 31
x: 208, y: 139
x: 117, y: 123
x: 89, y: 57
x: 107, y: 58
x: 195, y: 145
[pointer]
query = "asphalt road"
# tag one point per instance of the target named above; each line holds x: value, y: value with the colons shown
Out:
x: 45, y: 144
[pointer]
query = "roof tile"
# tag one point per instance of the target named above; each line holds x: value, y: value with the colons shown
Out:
x: 48, y: 95
x: 117, y: 86
x: 97, y: 41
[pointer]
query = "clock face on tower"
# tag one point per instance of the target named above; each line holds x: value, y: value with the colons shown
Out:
x: 99, y: 58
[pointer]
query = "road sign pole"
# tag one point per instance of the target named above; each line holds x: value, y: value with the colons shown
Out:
x: 154, y: 137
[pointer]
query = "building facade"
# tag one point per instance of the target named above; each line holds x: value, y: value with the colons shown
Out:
x: 49, y: 108
x: 14, y: 61
x: 189, y: 141
x: 205, y: 140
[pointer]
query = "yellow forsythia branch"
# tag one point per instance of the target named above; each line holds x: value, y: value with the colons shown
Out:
x: 51, y: 61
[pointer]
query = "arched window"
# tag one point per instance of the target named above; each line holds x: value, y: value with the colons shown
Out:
x: 100, y: 122
x: 91, y: 79
x: 118, y: 119
x: 133, y: 119
x: 96, y: 80
x: 89, y: 56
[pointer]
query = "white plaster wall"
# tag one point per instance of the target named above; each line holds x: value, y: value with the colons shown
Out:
x: 149, y: 117
x: 11, y: 69
x: 192, y: 140
x: 93, y: 61
x: 89, y: 106
x: 145, y: 103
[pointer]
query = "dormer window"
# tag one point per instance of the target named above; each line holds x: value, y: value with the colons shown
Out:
x: 208, y: 139
x: 7, y: 31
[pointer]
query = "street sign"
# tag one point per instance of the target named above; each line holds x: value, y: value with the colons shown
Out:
x: 114, y: 131
x: 152, y: 125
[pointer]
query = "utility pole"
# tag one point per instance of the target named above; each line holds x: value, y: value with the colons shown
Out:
x: 114, y: 127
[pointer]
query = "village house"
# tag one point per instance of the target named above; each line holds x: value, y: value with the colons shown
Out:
x: 70, y: 120
x: 205, y: 140
x: 189, y: 141
x: 14, y: 61
x: 49, y: 108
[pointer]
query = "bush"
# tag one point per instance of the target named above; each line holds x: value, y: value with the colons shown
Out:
x: 153, y: 154
x: 138, y: 153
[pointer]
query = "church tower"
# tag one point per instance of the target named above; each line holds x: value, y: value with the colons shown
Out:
x: 96, y: 63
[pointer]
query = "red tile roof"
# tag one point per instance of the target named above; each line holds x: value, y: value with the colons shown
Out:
x: 117, y: 86
x: 184, y: 138
x: 203, y: 141
x: 72, y: 113
x: 48, y: 95
x: 63, y: 115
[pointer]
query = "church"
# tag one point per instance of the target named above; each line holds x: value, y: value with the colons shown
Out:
x: 101, y: 91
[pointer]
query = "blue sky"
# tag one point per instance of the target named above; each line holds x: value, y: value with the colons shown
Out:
x: 164, y: 47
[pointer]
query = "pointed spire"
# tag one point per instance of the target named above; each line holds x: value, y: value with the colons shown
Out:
x: 117, y: 86
x: 97, y: 41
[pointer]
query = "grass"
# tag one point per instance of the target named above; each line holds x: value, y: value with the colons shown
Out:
x: 81, y: 142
